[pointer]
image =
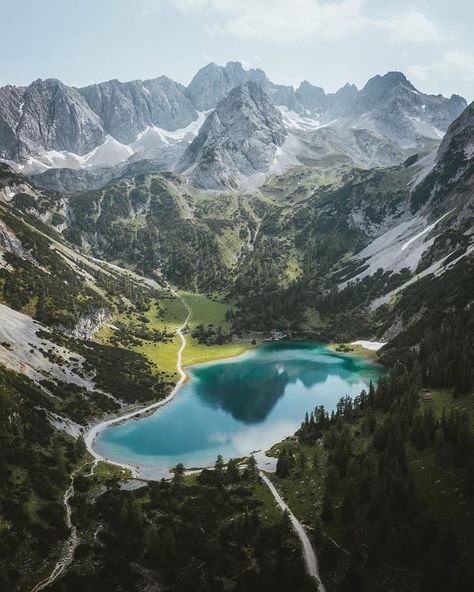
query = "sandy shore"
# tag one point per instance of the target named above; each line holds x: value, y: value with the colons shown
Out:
x: 92, y: 434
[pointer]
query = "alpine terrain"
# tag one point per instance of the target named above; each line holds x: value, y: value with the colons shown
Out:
x: 148, y: 228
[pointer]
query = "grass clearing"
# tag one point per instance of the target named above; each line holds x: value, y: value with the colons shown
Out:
x: 169, y: 315
x: 205, y: 310
x: 270, y: 513
x: 198, y: 353
x: 105, y: 471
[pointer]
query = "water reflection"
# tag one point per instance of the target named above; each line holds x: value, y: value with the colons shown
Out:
x: 237, y: 406
x: 250, y: 388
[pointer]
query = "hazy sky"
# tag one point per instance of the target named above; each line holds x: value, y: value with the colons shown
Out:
x: 328, y: 42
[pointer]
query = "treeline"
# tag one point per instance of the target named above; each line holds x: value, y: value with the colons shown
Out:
x: 204, y: 535
x: 373, y: 455
x: 35, y: 464
x: 210, y: 335
x: 138, y: 226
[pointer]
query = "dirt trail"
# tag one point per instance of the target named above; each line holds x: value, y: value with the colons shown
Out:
x: 73, y: 540
x: 309, y: 555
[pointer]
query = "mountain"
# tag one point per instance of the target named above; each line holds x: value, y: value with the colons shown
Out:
x: 358, y: 253
x: 312, y: 98
x: 49, y: 125
x: 212, y: 83
x: 46, y: 116
x: 128, y: 108
x: 393, y: 108
x: 237, y: 143
x: 388, y: 105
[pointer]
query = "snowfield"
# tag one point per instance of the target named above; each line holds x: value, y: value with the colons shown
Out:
x: 372, y: 345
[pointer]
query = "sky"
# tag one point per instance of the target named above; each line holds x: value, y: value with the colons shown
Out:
x: 328, y: 42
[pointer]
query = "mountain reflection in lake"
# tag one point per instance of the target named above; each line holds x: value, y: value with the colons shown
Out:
x: 236, y: 406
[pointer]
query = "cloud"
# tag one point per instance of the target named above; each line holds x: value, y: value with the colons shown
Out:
x: 289, y: 21
x: 411, y: 26
x: 280, y: 21
x: 453, y: 64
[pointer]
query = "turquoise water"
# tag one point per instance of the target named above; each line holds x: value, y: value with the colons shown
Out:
x: 237, y: 406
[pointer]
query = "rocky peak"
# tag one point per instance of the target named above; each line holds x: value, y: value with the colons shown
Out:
x: 238, y: 140
x: 381, y: 89
x: 56, y: 117
x: 128, y: 108
x: 311, y: 97
x: 213, y: 82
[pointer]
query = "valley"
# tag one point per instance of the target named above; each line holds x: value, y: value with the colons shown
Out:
x: 223, y: 269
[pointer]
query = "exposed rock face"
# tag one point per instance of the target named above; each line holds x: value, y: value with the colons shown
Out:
x: 10, y: 243
x: 49, y: 125
x: 11, y: 101
x: 392, y: 107
x: 88, y: 325
x: 128, y: 108
x: 238, y: 140
x: 311, y: 98
x: 47, y: 115
x: 212, y: 83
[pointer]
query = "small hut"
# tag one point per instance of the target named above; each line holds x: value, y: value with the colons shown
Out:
x: 426, y: 397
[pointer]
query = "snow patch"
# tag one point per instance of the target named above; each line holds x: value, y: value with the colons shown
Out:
x: 424, y: 231
x: 294, y: 120
x: 372, y: 345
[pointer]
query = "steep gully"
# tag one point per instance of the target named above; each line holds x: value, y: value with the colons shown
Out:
x: 66, y: 558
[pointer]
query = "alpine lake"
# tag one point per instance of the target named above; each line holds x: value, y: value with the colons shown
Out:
x: 237, y: 406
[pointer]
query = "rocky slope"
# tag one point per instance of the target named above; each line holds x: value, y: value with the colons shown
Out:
x: 238, y: 142
x: 49, y: 125
x: 128, y: 108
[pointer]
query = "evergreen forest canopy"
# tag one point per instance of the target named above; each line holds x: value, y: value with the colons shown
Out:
x: 384, y: 485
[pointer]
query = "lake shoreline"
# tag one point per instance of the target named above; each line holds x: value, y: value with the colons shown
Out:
x: 146, y: 470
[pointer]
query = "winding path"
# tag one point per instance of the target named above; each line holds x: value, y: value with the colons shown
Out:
x: 92, y: 434
x: 309, y: 555
x: 70, y: 545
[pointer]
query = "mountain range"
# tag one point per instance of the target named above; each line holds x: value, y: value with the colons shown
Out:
x: 106, y: 127
x: 273, y: 210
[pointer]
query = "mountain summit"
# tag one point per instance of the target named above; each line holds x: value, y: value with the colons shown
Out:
x: 49, y: 125
x: 238, y: 141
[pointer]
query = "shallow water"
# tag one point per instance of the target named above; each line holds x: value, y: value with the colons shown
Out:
x: 237, y: 406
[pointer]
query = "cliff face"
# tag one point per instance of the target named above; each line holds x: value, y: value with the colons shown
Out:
x: 238, y: 140
x: 88, y: 325
x: 48, y: 124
